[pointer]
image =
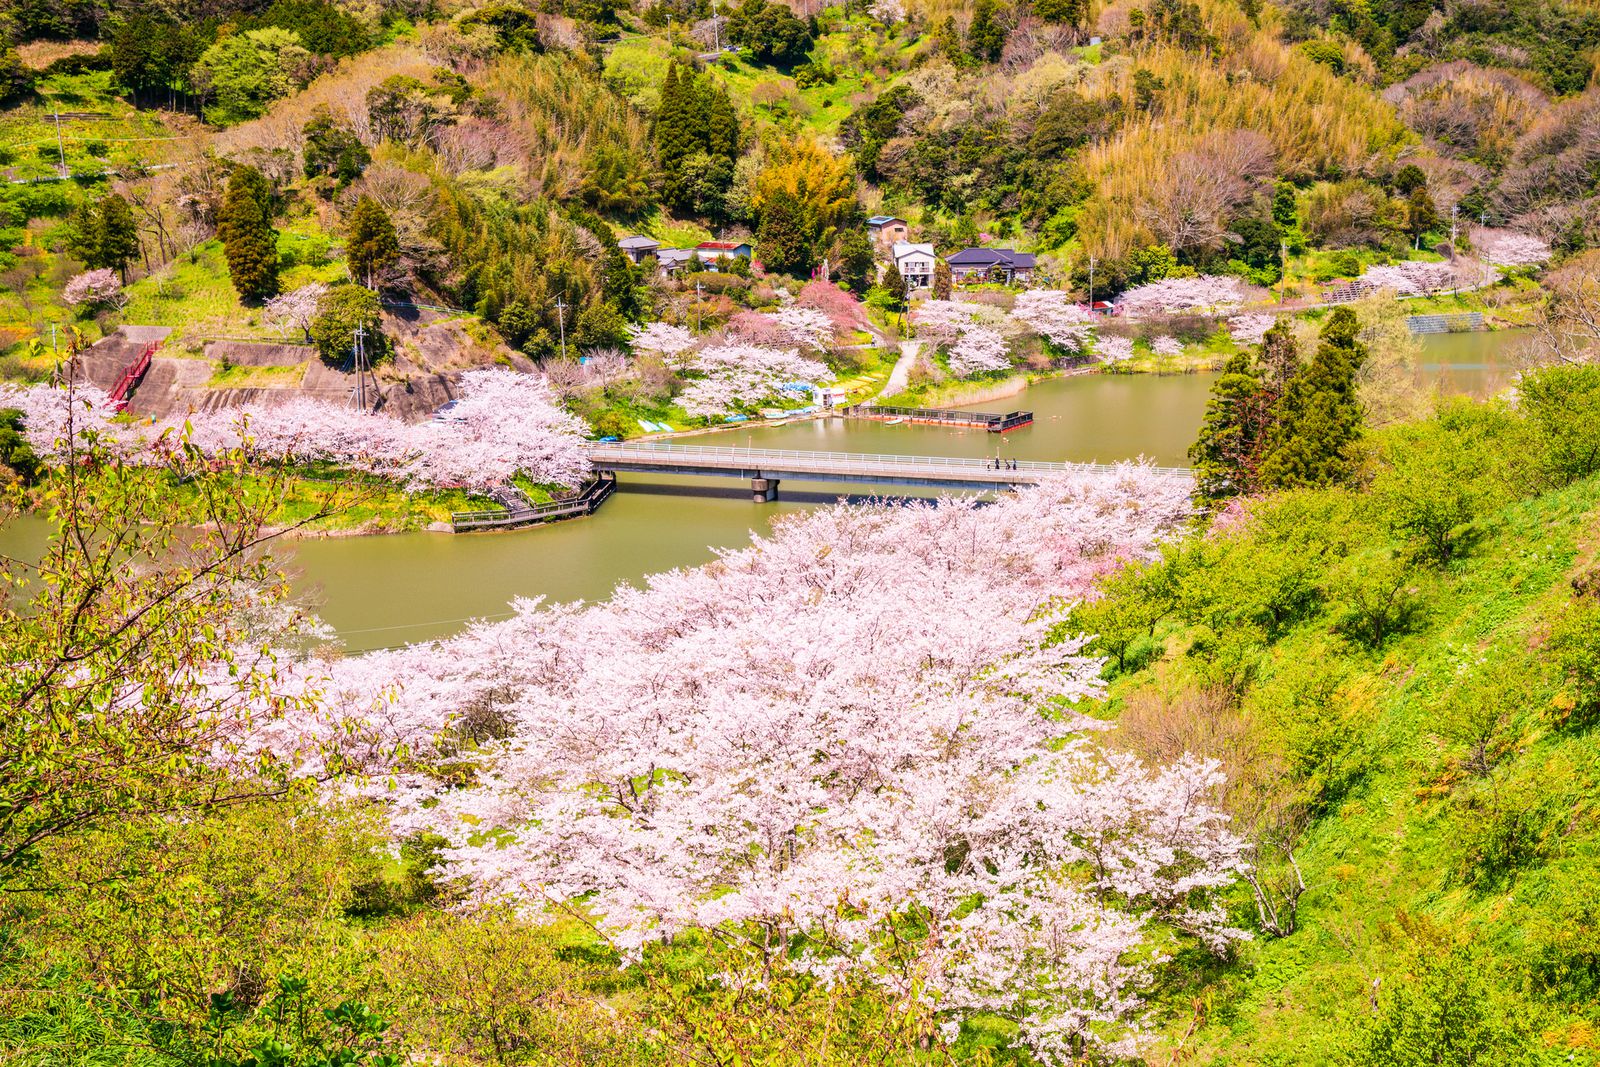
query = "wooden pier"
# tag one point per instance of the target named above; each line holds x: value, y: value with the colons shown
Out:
x: 971, y: 420
x: 519, y: 512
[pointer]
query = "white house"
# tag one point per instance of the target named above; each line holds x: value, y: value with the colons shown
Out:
x: 914, y: 262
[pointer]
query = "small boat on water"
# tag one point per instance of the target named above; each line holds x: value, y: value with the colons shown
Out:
x: 896, y: 421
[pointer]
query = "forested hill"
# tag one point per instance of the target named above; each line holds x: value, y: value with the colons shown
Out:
x: 1146, y: 140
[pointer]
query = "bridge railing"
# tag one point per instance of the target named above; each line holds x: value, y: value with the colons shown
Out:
x: 840, y: 461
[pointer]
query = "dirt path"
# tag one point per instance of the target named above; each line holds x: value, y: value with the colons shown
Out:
x: 902, y: 368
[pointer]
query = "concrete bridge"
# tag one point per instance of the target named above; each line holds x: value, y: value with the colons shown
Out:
x: 766, y: 467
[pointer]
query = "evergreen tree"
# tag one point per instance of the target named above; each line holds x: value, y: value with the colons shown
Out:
x: 696, y: 136
x: 119, y: 234
x: 855, y: 260
x: 245, y: 226
x: 1226, y: 452
x: 894, y: 283
x: 985, y: 38
x: 1421, y: 215
x: 1317, y: 421
x: 104, y: 234
x: 783, y: 236
x: 600, y: 326
x: 941, y: 280
x: 373, y: 246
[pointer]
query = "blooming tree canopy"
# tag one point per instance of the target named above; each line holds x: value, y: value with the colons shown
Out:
x: 979, y: 350
x: 1410, y: 278
x: 671, y: 343
x: 819, y: 742
x: 805, y: 327
x: 1170, y: 296
x: 295, y: 309
x: 94, y: 287
x: 1113, y: 349
x: 1050, y: 314
x: 940, y: 321
x: 736, y: 376
x: 1250, y: 329
x: 1166, y: 345
x: 1509, y: 248
x: 503, y: 423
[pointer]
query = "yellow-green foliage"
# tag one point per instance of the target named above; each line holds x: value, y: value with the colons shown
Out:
x: 1316, y: 122
x: 558, y: 103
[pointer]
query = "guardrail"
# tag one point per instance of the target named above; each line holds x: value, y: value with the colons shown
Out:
x: 130, y: 377
x: 723, y: 457
x: 593, y: 494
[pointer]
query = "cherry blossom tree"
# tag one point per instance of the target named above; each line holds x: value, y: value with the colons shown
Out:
x: 805, y: 327
x: 942, y: 321
x: 735, y: 376
x: 94, y: 287
x: 979, y: 350
x: 1112, y: 350
x: 295, y: 309
x: 671, y: 343
x: 1250, y: 329
x: 888, y: 12
x: 818, y: 743
x: 54, y: 417
x: 1509, y: 248
x: 1171, y: 296
x: 1410, y: 278
x: 1050, y: 314
x: 1166, y: 346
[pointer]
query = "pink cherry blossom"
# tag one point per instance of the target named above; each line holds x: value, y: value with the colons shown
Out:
x: 1171, y: 296
x: 979, y: 350
x: 1166, y: 346
x: 734, y: 376
x: 816, y: 738
x: 805, y: 327
x: 1410, y: 278
x: 94, y: 287
x: 1113, y: 349
x: 1050, y: 314
x: 671, y: 343
x: 1250, y: 329
x: 295, y: 309
x: 1509, y: 248
x: 941, y: 321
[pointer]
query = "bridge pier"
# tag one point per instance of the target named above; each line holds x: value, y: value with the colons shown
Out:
x: 763, y: 490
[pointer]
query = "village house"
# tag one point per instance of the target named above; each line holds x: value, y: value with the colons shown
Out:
x: 638, y: 248
x: 672, y: 260
x: 887, y: 229
x: 915, y: 262
x: 711, y: 251
x: 971, y: 266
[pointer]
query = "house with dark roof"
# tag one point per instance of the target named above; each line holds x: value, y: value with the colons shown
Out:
x: 887, y: 229
x: 1002, y: 265
x: 638, y: 248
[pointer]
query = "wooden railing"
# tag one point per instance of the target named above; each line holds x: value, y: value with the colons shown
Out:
x: 121, y: 392
x: 590, y: 498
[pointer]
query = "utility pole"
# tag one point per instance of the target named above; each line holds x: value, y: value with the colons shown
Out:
x: 359, y: 351
x: 1454, y: 208
x: 1091, y: 285
x: 561, y: 324
x: 716, y: 28
x: 1283, y: 269
x: 60, y: 148
x: 696, y: 307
